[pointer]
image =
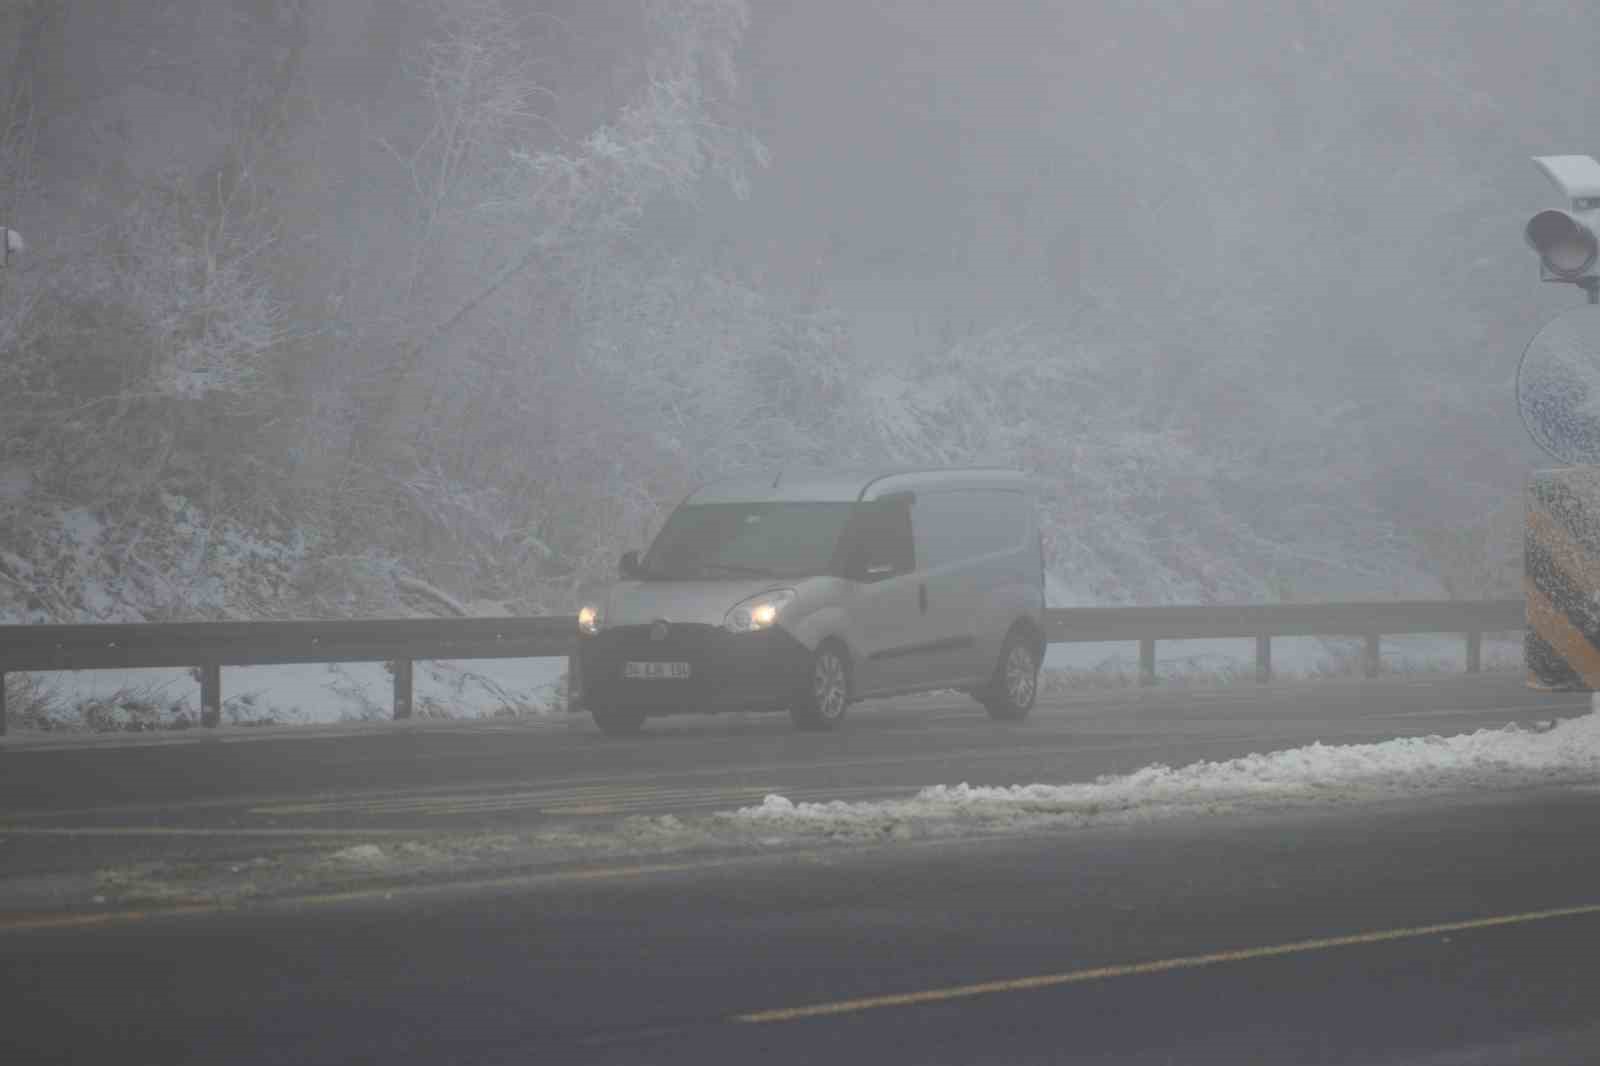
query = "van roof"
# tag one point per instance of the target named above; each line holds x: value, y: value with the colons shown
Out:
x: 852, y: 485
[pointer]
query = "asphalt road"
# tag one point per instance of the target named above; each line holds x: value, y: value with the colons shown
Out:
x: 1262, y: 940
x: 428, y: 773
x: 1454, y: 930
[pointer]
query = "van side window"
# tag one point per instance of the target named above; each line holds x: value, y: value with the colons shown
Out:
x: 880, y: 544
x: 967, y: 523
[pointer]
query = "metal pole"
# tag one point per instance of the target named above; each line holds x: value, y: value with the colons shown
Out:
x: 211, y: 694
x: 574, y: 684
x: 1263, y: 659
x: 1147, y: 661
x: 2, y: 703
x: 402, y: 689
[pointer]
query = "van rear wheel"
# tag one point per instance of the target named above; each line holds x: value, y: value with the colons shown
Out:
x: 1011, y: 693
x: 821, y: 703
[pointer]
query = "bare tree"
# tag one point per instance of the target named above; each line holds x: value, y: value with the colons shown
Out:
x: 470, y: 417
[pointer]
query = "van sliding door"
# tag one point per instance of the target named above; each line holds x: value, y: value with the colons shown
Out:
x: 972, y: 559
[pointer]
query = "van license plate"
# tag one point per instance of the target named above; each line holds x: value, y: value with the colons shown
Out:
x: 653, y: 671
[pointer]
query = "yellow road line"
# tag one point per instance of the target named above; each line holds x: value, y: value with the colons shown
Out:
x: 598, y: 873
x: 739, y: 799
x: 465, y: 799
x: 48, y: 922
x: 83, y: 921
x: 1575, y: 705
x: 488, y: 805
x: 557, y: 805
x: 1101, y: 973
x: 577, y: 801
x: 447, y: 791
x: 200, y: 831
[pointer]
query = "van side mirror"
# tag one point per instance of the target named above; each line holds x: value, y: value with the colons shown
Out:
x: 630, y: 565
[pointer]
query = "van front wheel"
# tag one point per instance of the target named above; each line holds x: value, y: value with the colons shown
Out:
x: 617, y: 721
x: 821, y: 703
x: 1011, y: 693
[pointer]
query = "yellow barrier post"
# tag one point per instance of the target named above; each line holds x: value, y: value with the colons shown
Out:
x: 1561, y: 579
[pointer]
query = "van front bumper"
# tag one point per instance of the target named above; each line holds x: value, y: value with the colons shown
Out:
x: 727, y: 671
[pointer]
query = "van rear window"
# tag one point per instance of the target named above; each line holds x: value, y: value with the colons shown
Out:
x: 967, y: 523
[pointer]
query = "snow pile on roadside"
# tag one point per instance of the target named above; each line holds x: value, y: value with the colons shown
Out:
x: 1316, y: 774
x: 360, y: 855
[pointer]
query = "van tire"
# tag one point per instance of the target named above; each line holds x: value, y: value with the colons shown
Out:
x: 821, y: 702
x: 1011, y: 693
x: 617, y: 722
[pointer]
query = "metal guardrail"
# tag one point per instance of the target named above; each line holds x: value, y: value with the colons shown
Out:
x: 209, y: 646
x: 1370, y: 621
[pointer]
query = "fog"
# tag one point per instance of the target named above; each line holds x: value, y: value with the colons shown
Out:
x: 1336, y: 185
x: 325, y: 301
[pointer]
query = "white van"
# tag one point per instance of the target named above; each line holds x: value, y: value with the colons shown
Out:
x: 807, y: 592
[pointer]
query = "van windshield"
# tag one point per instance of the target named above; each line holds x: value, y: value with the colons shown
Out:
x: 710, y: 540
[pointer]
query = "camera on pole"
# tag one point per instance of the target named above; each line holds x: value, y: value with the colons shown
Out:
x: 1568, y: 242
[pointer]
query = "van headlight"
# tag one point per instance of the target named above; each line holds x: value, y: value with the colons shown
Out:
x: 758, y: 612
x: 590, y: 619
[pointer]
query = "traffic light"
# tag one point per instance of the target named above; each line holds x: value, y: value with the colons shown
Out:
x: 1568, y: 242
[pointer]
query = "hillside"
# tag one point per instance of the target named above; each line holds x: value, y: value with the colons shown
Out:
x: 360, y: 309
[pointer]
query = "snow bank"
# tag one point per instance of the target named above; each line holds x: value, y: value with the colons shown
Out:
x: 360, y: 855
x: 1500, y: 758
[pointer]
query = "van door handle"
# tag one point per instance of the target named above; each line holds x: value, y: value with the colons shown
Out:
x: 922, y: 597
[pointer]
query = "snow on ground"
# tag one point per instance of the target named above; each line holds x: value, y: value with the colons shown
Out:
x: 1318, y: 774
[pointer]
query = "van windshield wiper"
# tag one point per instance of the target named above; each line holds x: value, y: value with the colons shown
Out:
x: 734, y: 568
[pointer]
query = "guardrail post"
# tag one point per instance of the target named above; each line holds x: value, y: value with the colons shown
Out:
x: 1474, y: 652
x: 574, y: 685
x: 1371, y: 659
x: 1263, y: 659
x: 402, y: 688
x: 1147, y: 661
x: 211, y: 694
